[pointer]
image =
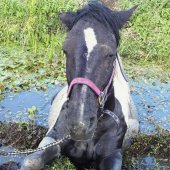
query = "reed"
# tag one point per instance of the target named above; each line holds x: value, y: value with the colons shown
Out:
x: 34, y: 23
x: 147, y: 36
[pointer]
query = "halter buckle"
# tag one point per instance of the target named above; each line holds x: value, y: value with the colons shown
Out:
x: 102, y: 99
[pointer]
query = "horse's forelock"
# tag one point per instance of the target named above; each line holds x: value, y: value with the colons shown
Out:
x: 102, y: 14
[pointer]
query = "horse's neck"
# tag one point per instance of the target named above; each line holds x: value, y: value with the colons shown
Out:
x: 121, y: 89
x: 110, y: 102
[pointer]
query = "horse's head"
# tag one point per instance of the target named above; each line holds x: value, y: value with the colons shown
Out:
x: 90, y: 49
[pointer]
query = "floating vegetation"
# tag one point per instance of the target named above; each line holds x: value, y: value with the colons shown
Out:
x: 22, y: 135
x: 25, y: 136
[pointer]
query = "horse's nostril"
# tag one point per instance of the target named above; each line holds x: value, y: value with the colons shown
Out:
x: 82, y: 124
x: 92, y: 120
x: 78, y: 127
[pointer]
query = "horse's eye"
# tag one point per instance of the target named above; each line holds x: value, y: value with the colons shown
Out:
x: 111, y: 55
x: 65, y: 52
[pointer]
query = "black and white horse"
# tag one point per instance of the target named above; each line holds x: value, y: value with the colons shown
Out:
x: 95, y: 109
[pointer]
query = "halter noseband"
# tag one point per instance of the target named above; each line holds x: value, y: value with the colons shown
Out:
x: 101, y: 94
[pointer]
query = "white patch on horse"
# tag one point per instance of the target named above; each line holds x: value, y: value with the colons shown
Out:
x: 83, y: 96
x: 56, y: 107
x: 46, y: 140
x: 90, y: 39
x: 122, y: 91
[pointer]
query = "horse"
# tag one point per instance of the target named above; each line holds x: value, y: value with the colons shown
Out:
x: 95, y: 110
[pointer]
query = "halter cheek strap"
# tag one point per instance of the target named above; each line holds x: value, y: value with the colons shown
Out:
x: 102, y: 95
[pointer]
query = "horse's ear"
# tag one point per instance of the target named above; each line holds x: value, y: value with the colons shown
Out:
x: 68, y: 18
x: 124, y: 16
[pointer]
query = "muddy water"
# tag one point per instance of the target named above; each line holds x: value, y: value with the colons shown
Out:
x: 152, y: 99
x: 15, y: 106
x: 4, y: 159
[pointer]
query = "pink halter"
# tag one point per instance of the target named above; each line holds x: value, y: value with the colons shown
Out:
x: 101, y: 94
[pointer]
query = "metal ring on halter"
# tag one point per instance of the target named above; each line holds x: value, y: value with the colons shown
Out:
x: 102, y: 98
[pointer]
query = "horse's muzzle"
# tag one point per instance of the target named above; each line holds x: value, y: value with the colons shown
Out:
x: 82, y: 130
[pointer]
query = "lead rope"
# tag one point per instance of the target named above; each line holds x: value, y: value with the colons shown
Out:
x: 29, y: 151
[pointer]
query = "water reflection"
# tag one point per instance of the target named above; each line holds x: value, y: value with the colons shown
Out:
x: 152, y: 100
x: 15, y: 106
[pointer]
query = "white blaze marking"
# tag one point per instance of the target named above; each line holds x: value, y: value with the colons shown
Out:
x: 91, y: 42
x: 82, y: 108
x: 90, y: 39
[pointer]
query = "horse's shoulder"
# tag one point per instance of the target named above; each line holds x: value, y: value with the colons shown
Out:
x: 56, y: 106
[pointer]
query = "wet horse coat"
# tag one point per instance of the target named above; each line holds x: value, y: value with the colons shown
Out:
x: 97, y: 135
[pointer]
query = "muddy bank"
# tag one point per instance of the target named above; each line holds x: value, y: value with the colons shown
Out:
x: 146, y: 150
x: 149, y: 151
x: 18, y: 136
x: 21, y: 135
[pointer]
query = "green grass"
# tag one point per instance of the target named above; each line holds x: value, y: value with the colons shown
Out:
x: 147, y: 36
x: 61, y: 163
x: 34, y: 24
x: 31, y: 36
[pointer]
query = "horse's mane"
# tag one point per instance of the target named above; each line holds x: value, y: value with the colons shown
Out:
x: 102, y: 14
